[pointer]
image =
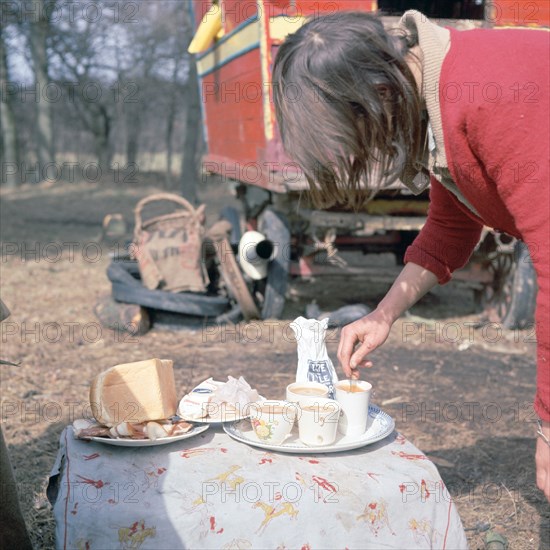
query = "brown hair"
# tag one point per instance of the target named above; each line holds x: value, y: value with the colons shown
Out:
x: 347, y: 105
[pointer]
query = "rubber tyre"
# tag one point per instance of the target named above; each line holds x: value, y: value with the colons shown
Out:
x: 275, y: 227
x: 126, y: 287
x: 519, y: 311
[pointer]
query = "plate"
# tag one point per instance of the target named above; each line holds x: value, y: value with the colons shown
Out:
x: 380, y: 425
x: 221, y: 416
x: 122, y: 442
x: 219, y: 419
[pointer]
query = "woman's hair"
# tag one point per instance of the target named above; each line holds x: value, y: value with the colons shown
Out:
x: 347, y: 105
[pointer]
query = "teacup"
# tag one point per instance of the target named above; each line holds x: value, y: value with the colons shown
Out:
x: 354, y: 398
x: 273, y: 420
x: 318, y: 422
x: 306, y: 392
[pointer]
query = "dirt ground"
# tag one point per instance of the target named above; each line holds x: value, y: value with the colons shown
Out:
x: 459, y: 388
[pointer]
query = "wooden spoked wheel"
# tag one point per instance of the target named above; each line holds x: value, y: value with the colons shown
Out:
x: 234, y: 280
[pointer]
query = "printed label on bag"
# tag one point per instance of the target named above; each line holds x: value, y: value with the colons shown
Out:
x: 319, y: 371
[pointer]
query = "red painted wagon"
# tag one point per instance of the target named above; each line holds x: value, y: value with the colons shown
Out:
x: 235, y: 45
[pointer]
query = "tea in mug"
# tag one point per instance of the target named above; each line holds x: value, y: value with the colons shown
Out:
x: 304, y: 390
x: 352, y: 388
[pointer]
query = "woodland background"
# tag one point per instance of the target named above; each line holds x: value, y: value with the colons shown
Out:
x: 97, y: 87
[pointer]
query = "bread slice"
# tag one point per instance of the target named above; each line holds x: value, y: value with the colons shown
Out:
x: 134, y: 392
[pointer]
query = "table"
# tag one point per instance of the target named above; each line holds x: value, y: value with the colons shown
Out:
x: 211, y: 491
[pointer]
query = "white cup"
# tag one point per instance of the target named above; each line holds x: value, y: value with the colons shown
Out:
x: 306, y: 392
x: 273, y: 420
x: 354, y: 399
x: 318, y: 422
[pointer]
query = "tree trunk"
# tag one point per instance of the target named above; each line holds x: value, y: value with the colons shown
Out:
x: 38, y: 34
x: 172, y: 111
x: 173, y: 106
x: 104, y: 157
x: 192, y: 147
x: 133, y: 129
x: 9, y: 169
x: 169, y: 148
x: 102, y: 134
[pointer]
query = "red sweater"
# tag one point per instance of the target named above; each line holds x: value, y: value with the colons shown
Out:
x: 494, y: 96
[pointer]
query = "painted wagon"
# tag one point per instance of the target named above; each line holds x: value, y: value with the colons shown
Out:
x: 235, y: 44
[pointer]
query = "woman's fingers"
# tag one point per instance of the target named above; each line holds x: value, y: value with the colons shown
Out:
x: 345, y: 350
x: 363, y: 334
x: 351, y: 358
x: 364, y: 364
x: 358, y: 357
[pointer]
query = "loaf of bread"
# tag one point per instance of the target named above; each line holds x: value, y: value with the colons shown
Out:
x: 134, y: 392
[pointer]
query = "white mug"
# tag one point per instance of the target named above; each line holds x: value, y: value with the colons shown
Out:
x: 306, y: 392
x: 318, y: 421
x: 354, y: 398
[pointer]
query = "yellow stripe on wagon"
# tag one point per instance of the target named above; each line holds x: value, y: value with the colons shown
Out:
x: 283, y: 25
x: 242, y: 39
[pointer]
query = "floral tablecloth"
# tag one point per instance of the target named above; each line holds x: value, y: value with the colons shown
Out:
x: 211, y: 491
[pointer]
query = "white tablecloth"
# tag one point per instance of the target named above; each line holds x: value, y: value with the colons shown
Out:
x: 211, y: 491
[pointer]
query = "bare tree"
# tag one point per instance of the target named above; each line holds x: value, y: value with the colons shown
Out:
x: 38, y: 31
x: 83, y: 70
x: 123, y: 77
x: 158, y: 55
x: 180, y: 64
x: 10, y: 164
x: 193, y: 142
x: 170, y: 126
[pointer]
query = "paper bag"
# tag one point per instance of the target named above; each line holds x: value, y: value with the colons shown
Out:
x: 314, y: 364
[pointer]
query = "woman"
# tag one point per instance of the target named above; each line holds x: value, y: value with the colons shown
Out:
x: 464, y: 111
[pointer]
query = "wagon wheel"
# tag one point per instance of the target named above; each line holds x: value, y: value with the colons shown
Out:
x: 271, y: 292
x: 511, y: 297
x: 233, y: 279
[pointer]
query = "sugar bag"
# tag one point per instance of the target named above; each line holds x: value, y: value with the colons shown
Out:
x: 314, y: 364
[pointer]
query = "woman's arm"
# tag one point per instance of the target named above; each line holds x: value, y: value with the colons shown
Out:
x: 444, y: 244
x: 372, y: 330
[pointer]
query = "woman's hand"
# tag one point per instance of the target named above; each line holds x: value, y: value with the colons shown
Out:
x: 542, y: 460
x: 372, y: 330
x: 369, y: 332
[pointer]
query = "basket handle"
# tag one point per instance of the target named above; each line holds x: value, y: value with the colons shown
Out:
x: 170, y: 197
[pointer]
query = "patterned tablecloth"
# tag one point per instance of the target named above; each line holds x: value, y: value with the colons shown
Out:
x: 211, y: 491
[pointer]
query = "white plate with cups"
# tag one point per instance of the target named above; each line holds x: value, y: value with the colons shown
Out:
x: 309, y: 422
x: 380, y: 426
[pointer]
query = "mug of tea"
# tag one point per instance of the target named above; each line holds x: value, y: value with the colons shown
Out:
x: 353, y: 397
x: 272, y: 421
x: 318, y: 422
x: 306, y: 392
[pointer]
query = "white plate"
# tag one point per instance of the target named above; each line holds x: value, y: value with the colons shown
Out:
x: 218, y: 419
x: 123, y: 442
x: 380, y: 425
x: 221, y: 416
